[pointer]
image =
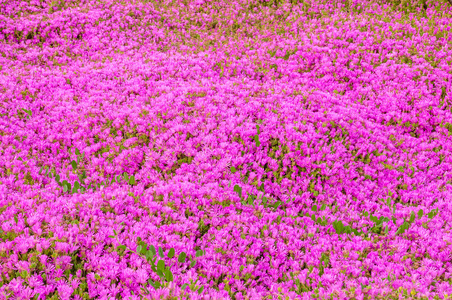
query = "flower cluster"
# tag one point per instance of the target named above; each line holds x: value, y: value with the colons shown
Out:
x: 245, y: 149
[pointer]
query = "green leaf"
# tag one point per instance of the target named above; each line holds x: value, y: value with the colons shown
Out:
x: 76, y: 187
x: 144, y: 247
x: 161, y: 252
x: 238, y: 190
x: 250, y: 200
x: 74, y: 164
x: 123, y: 247
x: 20, y: 158
x: 155, y: 284
x: 347, y: 229
x: 420, y: 213
x: 139, y: 249
x: 132, y: 180
x: 161, y: 265
x: 152, y: 248
x: 149, y: 255
x: 201, y: 289
x: 64, y: 188
x: 77, y: 152
x: 406, y: 225
x: 193, y: 263
x: 323, y: 207
x: 171, y: 253
x: 258, y: 129
x: 199, y: 253
x: 256, y: 140
x: 403, y: 227
x: 168, y: 275
x: 160, y: 273
x: 182, y: 257
x: 338, y: 227
x: 412, y: 217
x: 126, y: 176
x: 314, y: 207
x: 184, y: 286
x: 233, y: 170
x: 15, y: 219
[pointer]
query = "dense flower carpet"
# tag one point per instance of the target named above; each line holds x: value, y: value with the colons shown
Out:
x: 240, y: 149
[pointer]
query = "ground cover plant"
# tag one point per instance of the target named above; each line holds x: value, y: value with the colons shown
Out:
x: 241, y: 149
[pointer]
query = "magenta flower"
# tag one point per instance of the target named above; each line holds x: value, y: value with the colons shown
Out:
x: 227, y: 150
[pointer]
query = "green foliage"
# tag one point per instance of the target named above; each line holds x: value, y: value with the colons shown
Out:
x: 238, y: 190
x: 28, y: 112
x: 182, y: 257
x: 377, y: 228
x: 433, y: 213
x: 77, y: 263
x: 80, y: 186
x: 341, y: 229
x: 160, y: 267
x: 256, y: 137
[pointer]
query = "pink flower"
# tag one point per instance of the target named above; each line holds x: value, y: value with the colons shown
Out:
x: 35, y: 281
x: 64, y: 291
x: 22, y: 266
x: 26, y: 293
x: 141, y: 276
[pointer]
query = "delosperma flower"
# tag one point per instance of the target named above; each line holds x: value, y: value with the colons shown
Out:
x: 238, y: 149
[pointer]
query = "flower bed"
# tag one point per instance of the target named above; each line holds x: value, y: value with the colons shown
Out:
x: 225, y: 149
